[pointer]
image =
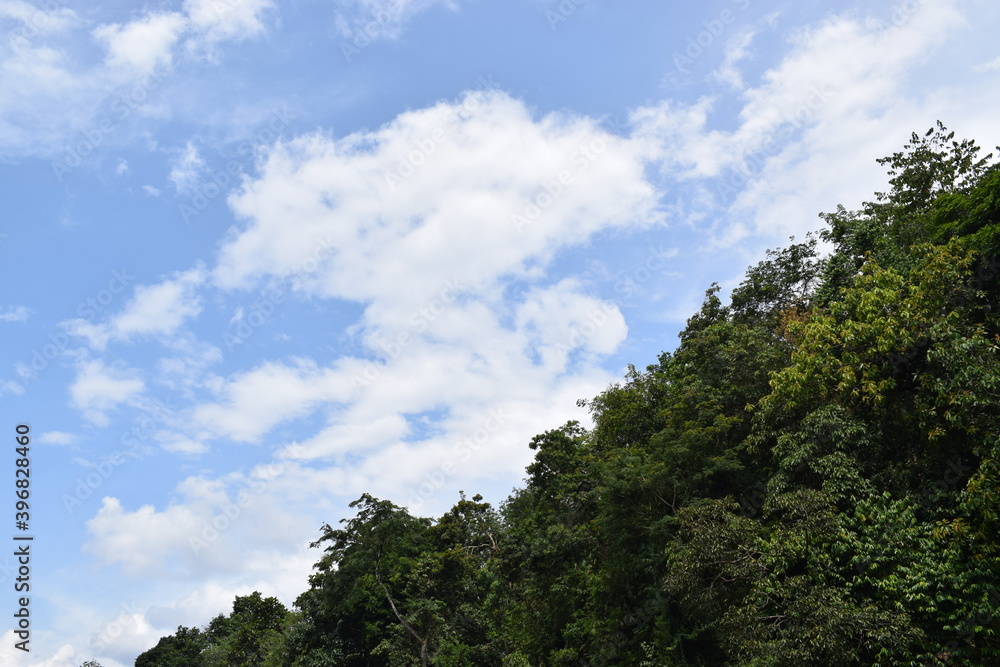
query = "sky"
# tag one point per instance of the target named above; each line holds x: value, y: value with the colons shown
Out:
x: 258, y: 259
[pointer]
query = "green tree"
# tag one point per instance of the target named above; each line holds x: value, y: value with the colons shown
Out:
x: 181, y: 649
x: 244, y: 638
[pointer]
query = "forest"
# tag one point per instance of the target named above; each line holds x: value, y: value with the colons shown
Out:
x: 811, y: 477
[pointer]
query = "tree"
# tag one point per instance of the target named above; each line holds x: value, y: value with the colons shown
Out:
x: 244, y: 638
x: 181, y: 649
x: 811, y: 476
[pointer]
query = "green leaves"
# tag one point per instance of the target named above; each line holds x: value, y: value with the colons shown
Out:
x: 811, y: 477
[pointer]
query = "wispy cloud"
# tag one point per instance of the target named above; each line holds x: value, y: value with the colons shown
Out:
x: 990, y: 66
x: 99, y: 388
x: 60, y: 438
x: 158, y: 310
x: 15, y: 314
x: 187, y: 169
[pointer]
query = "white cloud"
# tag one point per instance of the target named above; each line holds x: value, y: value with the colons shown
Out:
x: 221, y: 20
x: 425, y: 197
x: 560, y: 320
x: 64, y: 656
x: 187, y: 169
x: 184, y: 370
x: 37, y: 20
x: 365, y: 21
x: 990, y: 66
x: 99, y: 388
x: 151, y: 191
x: 143, y: 44
x: 827, y: 102
x: 54, y: 99
x: 154, y: 310
x: 47, y: 98
x: 441, y: 209
x: 255, y: 401
x: 9, y: 387
x: 97, y: 335
x: 15, y: 314
x: 737, y: 49
x: 162, y: 308
x: 468, y: 352
x: 177, y: 443
x: 216, y: 528
x: 56, y: 438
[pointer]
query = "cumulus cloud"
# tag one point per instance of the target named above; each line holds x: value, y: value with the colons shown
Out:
x: 444, y: 212
x: 470, y: 188
x: 216, y: 528
x: 142, y: 44
x: 63, y: 656
x: 162, y: 308
x: 440, y: 225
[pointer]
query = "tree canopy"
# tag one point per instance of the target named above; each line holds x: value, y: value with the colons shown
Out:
x: 812, y: 477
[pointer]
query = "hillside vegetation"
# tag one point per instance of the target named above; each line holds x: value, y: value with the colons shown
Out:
x: 812, y: 477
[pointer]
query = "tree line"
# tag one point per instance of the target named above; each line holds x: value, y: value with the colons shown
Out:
x: 812, y: 477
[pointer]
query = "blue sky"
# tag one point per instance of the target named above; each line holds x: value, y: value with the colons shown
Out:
x: 259, y: 258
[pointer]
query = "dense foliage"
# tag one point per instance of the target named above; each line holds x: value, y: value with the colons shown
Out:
x: 811, y: 478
